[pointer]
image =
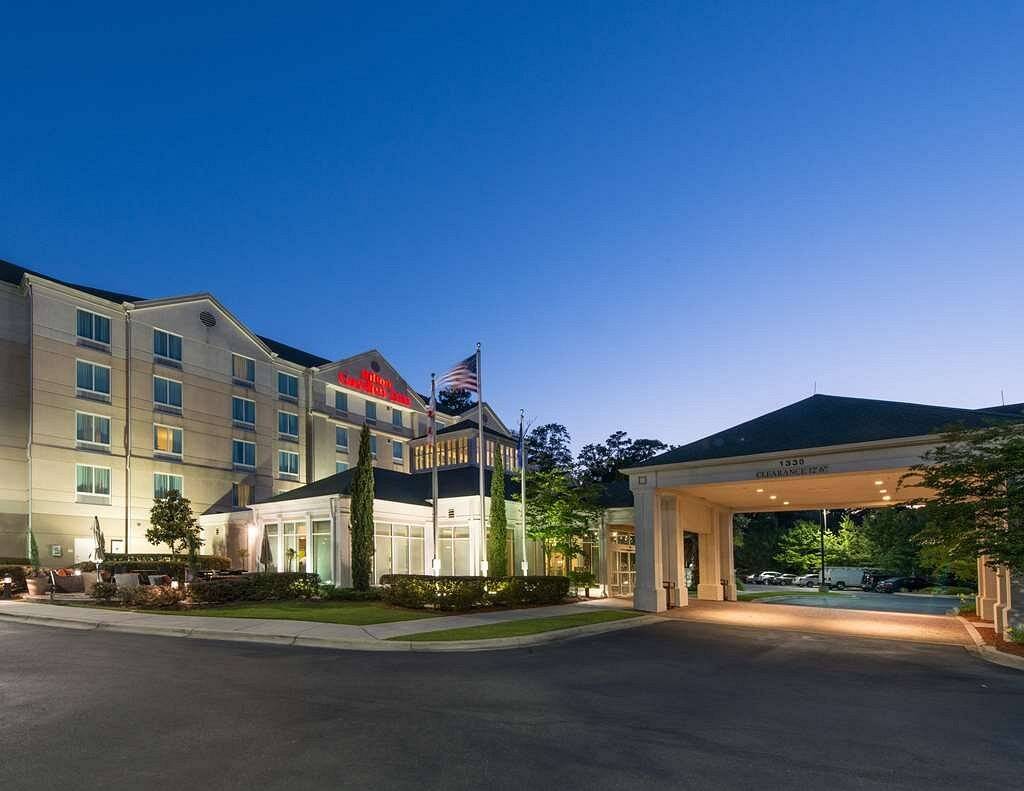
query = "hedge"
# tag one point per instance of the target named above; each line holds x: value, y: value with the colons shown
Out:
x: 15, y: 562
x: 171, y: 565
x: 255, y: 587
x: 465, y: 593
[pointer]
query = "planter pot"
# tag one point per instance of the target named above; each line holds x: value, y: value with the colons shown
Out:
x: 89, y: 580
x: 38, y: 586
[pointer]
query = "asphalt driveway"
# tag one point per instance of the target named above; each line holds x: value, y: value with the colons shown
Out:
x: 675, y: 705
x: 880, y: 602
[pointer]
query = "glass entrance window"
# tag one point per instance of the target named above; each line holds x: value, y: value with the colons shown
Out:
x: 623, y: 572
x: 398, y: 549
x: 453, y: 550
x: 322, y: 549
x: 293, y: 546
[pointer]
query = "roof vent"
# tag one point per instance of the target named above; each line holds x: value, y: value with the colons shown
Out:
x: 207, y: 318
x: 375, y: 366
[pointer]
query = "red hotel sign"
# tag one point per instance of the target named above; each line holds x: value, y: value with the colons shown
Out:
x: 374, y: 384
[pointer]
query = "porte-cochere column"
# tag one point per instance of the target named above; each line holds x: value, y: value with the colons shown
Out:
x: 649, y: 595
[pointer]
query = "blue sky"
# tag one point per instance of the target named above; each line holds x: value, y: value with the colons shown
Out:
x: 660, y: 217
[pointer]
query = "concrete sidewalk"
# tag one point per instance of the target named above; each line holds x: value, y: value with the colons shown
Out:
x: 314, y: 634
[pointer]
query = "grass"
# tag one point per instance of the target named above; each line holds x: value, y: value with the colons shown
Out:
x: 521, y: 628
x: 352, y: 613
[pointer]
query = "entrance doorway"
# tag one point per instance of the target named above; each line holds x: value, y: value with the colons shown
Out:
x: 622, y: 577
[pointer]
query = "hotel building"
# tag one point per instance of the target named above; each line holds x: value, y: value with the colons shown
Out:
x: 109, y: 400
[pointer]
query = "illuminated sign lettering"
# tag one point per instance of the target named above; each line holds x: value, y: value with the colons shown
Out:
x: 375, y: 385
x: 792, y: 468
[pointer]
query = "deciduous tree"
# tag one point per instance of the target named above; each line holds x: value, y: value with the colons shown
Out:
x: 172, y: 523
x: 547, y: 448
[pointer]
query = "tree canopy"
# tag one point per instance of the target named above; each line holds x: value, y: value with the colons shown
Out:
x: 560, y: 513
x: 172, y: 523
x: 547, y: 448
x: 601, y: 462
x: 454, y: 400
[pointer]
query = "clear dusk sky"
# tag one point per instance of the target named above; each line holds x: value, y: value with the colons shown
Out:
x: 660, y: 217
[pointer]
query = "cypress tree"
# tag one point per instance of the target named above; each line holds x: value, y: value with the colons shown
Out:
x: 497, y: 535
x: 362, y: 515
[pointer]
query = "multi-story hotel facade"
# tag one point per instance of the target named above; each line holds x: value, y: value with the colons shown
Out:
x: 109, y: 400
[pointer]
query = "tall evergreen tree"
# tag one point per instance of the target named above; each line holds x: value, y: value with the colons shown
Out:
x: 362, y: 515
x: 497, y: 535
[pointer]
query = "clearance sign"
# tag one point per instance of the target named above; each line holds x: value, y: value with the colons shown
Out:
x: 375, y: 385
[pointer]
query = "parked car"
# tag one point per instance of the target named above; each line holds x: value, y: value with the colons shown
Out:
x: 872, y: 577
x: 811, y: 580
x: 768, y: 577
x: 902, y: 584
x: 787, y: 579
x: 751, y: 579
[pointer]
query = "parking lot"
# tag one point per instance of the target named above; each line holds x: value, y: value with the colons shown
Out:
x: 857, y: 600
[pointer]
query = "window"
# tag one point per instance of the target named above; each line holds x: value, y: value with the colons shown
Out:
x: 341, y: 401
x: 396, y: 451
x: 92, y: 480
x: 340, y: 466
x: 163, y: 483
x: 373, y: 446
x: 341, y: 438
x: 241, y: 495
x: 94, y: 429
x: 243, y: 410
x: 243, y: 369
x: 453, y: 550
x: 287, y: 462
x: 167, y: 345
x: 287, y: 385
x: 397, y: 549
x: 93, y: 327
x: 166, y: 392
x: 396, y: 418
x: 243, y: 454
x: 167, y: 439
x: 288, y: 424
x: 93, y: 378
x: 322, y: 549
x: 371, y: 412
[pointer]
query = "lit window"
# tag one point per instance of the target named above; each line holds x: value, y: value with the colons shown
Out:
x: 241, y: 495
x: 243, y: 410
x: 396, y: 418
x: 167, y: 345
x: 371, y: 412
x: 340, y: 466
x: 341, y: 401
x: 162, y: 484
x: 167, y: 439
x: 94, y: 429
x: 93, y: 327
x: 287, y: 462
x: 166, y: 392
x: 288, y: 424
x: 243, y: 369
x: 341, y: 438
x: 287, y: 385
x: 396, y: 451
x: 243, y: 453
x: 92, y: 480
x: 93, y: 378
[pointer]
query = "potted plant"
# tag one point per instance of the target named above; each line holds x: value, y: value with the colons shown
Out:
x: 38, y: 582
x: 290, y: 554
x: 243, y: 554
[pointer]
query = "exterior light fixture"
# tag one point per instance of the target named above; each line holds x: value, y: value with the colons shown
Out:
x: 883, y: 491
x: 760, y: 490
x: 887, y: 498
x: 772, y: 497
x: 879, y: 483
x: 785, y: 502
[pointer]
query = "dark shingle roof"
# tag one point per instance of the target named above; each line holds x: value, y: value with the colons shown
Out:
x: 616, y: 494
x: 1014, y: 410
x: 12, y: 273
x: 399, y: 487
x: 293, y: 355
x: 465, y: 424
x: 823, y: 420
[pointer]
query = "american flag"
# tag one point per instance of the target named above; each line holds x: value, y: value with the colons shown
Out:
x: 462, y: 376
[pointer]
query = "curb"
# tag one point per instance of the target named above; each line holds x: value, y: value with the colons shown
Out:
x: 984, y: 651
x: 339, y: 644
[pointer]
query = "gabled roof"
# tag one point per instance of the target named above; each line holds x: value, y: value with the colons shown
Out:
x: 293, y: 355
x: 824, y: 420
x: 12, y: 273
x: 398, y: 487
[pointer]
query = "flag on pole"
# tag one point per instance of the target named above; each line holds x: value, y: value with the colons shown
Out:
x: 463, y: 376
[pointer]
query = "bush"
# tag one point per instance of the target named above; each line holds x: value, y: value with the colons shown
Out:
x: 255, y: 587
x: 1017, y: 635
x: 330, y: 593
x: 465, y: 593
x: 171, y: 565
x: 968, y: 605
x: 104, y: 591
x: 16, y: 562
x: 150, y: 597
x: 579, y: 578
x: 18, y: 573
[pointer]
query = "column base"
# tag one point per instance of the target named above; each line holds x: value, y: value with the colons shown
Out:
x: 711, y: 592
x: 650, y: 600
x: 680, y: 597
x: 985, y: 608
x: 1012, y: 618
x: 730, y: 592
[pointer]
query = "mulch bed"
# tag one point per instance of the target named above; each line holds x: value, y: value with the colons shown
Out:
x: 996, y: 641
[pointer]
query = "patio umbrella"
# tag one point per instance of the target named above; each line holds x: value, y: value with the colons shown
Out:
x: 266, y: 556
x: 97, y: 533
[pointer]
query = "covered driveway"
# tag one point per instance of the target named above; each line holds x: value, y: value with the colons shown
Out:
x: 823, y: 452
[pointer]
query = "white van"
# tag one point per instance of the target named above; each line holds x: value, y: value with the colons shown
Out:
x: 842, y: 577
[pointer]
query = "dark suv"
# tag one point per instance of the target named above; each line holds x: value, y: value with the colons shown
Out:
x: 901, y: 584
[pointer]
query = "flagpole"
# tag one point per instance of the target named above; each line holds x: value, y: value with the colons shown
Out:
x: 482, y: 455
x: 435, y: 563
x: 524, y: 563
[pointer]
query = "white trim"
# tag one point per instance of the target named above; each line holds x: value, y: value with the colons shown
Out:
x: 240, y: 378
x: 157, y: 356
x: 90, y: 442
x: 110, y: 326
x: 281, y: 472
x: 110, y: 480
x: 243, y: 423
x: 298, y: 384
x: 97, y: 365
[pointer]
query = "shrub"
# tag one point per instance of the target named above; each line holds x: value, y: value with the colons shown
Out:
x: 330, y: 593
x: 150, y: 597
x: 464, y: 593
x: 255, y: 587
x: 171, y: 565
x: 18, y: 573
x: 580, y: 578
x: 968, y: 604
x: 1017, y: 635
x: 104, y: 591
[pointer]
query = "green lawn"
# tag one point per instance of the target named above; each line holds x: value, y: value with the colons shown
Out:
x: 353, y: 613
x: 523, y: 627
